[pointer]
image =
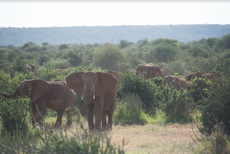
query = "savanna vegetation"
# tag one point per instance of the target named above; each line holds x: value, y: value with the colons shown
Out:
x: 146, y: 104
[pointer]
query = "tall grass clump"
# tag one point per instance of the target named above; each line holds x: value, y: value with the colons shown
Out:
x: 129, y: 111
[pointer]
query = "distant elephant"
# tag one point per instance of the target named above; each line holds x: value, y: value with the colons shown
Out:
x: 99, y: 91
x: 211, y: 75
x: 55, y: 95
x: 31, y: 68
x: 190, y: 76
x: 166, y: 71
x: 178, y: 81
x: 201, y: 75
x: 116, y: 74
x: 148, y: 71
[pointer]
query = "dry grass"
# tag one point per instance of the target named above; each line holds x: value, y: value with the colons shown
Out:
x: 169, y: 139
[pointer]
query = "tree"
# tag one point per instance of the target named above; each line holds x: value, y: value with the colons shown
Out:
x: 109, y: 56
x: 63, y: 46
x: 45, y: 43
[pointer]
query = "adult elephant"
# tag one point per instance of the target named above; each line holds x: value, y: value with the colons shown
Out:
x: 55, y: 95
x: 99, y: 91
x: 116, y: 74
x: 178, y: 81
x: 148, y: 71
x: 166, y: 71
x: 210, y: 75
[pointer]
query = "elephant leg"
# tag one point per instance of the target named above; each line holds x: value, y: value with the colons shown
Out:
x: 59, y: 118
x: 37, y: 114
x: 69, y: 117
x: 89, y: 113
x: 104, y: 120
x: 98, y: 112
x: 110, y: 116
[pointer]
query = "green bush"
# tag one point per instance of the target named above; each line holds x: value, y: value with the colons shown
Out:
x: 144, y: 89
x: 176, y: 105
x: 199, y: 89
x: 14, y: 116
x: 57, y: 64
x: 129, y: 111
x: 63, y: 46
x: 216, y: 107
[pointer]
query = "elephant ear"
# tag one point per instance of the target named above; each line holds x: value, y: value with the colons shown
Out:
x: 74, y: 81
x: 39, y: 88
x: 106, y: 82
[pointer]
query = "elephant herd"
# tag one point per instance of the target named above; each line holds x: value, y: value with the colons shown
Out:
x: 98, y: 89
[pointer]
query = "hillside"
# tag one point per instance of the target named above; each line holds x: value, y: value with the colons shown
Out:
x: 110, y: 34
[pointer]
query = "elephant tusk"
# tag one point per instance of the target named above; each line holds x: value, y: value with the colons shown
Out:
x: 93, y: 96
x: 82, y: 97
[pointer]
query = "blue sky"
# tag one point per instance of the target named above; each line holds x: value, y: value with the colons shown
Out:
x: 106, y: 13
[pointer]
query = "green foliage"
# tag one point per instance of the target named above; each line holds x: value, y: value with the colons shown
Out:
x: 57, y: 64
x: 14, y: 116
x: 144, y: 89
x: 199, y: 89
x: 43, y: 59
x: 223, y: 43
x: 175, y: 104
x: 48, y: 74
x: 129, y: 111
x: 75, y: 57
x: 163, y: 50
x: 63, y: 46
x: 216, y: 107
x: 124, y: 44
x: 109, y: 57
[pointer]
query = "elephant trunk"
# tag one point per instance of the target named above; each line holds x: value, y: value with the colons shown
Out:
x: 88, y: 96
x: 14, y: 95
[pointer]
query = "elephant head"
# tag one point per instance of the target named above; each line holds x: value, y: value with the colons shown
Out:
x: 90, y: 85
x: 34, y: 89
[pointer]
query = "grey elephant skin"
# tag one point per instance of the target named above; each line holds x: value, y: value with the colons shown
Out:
x: 55, y: 95
x: 99, y: 91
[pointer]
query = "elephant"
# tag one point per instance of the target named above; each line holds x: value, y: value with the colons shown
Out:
x: 119, y: 77
x: 148, y: 71
x: 30, y: 68
x: 55, y: 95
x: 99, y: 91
x: 201, y: 75
x: 211, y: 75
x: 166, y: 71
x: 116, y: 74
x: 178, y: 81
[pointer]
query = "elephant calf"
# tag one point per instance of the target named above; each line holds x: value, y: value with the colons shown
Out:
x: 55, y: 95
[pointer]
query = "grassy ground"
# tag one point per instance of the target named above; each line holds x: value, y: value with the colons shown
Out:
x: 174, y: 138
x: 163, y: 139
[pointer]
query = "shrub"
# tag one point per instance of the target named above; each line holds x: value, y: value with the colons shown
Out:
x: 129, y: 111
x: 175, y: 104
x: 216, y: 107
x: 14, y: 116
x: 199, y: 89
x: 57, y: 64
x: 63, y: 46
x: 144, y: 89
